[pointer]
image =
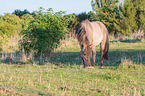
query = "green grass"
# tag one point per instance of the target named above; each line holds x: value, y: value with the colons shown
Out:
x: 124, y: 73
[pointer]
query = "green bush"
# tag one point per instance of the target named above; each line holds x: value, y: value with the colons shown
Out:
x: 44, y: 32
x: 10, y: 28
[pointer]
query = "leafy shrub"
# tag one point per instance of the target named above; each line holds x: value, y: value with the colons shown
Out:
x: 44, y: 32
x: 10, y: 28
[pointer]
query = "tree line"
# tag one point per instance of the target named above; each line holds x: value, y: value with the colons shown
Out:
x: 123, y: 18
x: 41, y: 31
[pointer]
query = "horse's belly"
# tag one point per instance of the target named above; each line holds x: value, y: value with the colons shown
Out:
x: 97, y: 37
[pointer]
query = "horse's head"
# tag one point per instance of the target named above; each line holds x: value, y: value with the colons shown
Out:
x: 86, y: 54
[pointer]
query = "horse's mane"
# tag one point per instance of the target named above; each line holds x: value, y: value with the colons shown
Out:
x: 84, y: 31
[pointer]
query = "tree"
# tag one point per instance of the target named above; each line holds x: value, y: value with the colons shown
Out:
x: 133, y: 16
x: 20, y: 13
x: 26, y: 19
x: 128, y: 12
x: 10, y: 24
x: 72, y: 21
x: 92, y: 16
x: 82, y: 16
x: 107, y: 11
x: 139, y: 5
x: 10, y: 27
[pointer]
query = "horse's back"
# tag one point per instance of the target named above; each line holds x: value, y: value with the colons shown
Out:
x: 97, y: 32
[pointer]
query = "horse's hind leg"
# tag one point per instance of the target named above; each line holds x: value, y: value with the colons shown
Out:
x: 94, y: 56
x: 102, y: 47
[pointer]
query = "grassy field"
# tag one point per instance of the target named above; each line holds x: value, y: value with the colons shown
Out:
x: 123, y: 74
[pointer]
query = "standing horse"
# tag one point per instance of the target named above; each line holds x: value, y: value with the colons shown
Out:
x: 89, y: 35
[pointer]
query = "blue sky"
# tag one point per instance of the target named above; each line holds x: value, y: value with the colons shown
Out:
x: 70, y: 6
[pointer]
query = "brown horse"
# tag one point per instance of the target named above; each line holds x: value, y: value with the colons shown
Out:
x: 89, y: 35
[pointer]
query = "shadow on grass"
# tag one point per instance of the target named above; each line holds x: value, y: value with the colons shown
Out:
x: 127, y: 41
x: 131, y: 41
x: 115, y: 57
x: 8, y: 61
x: 136, y: 56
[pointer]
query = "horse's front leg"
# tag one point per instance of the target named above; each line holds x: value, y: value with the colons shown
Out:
x: 102, y: 53
x: 101, y: 59
x: 94, y: 56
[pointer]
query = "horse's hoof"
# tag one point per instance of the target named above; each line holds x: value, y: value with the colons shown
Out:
x: 89, y: 67
x: 101, y: 67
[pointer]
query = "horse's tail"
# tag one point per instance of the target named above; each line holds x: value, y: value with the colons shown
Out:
x: 106, y: 45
